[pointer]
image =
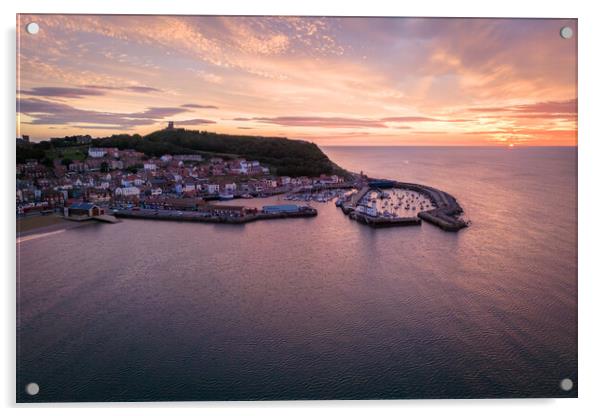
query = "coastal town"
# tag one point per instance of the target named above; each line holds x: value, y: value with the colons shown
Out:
x: 129, y: 181
x: 118, y: 177
x: 83, y: 181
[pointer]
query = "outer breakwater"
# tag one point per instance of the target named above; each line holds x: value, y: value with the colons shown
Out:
x: 446, y: 213
x: 385, y: 222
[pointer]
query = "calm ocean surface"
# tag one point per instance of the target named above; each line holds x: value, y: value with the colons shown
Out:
x: 319, y: 308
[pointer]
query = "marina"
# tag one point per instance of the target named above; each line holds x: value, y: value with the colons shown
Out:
x: 388, y: 203
x: 319, y: 195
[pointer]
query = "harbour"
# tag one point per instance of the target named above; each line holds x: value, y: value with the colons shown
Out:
x: 377, y: 203
x: 402, y: 204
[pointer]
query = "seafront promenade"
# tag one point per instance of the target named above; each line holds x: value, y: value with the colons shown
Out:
x: 374, y: 202
x: 428, y: 204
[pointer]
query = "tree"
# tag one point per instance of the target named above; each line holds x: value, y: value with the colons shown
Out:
x: 66, y: 161
x: 104, y: 167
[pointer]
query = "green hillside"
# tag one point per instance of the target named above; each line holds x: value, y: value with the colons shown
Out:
x: 283, y: 156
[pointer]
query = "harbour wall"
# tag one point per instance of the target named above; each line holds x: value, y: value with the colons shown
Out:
x: 191, y: 216
x: 446, y: 214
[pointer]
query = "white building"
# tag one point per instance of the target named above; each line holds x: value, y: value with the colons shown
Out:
x: 96, y: 152
x: 369, y: 210
x: 329, y: 179
x: 189, y: 158
x: 150, y: 166
x: 245, y: 167
x: 213, y: 188
x: 127, y: 191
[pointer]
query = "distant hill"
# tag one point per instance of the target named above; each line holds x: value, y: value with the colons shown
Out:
x: 284, y: 156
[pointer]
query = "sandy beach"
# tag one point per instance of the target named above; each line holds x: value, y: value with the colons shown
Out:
x: 44, y: 224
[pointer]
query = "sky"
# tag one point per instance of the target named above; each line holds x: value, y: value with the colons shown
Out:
x: 332, y: 81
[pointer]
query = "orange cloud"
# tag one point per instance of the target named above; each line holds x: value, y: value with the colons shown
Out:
x: 395, y: 81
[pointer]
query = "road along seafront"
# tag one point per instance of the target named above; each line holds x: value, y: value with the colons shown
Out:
x: 375, y: 202
x: 223, y: 214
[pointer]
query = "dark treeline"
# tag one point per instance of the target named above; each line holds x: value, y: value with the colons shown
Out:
x: 284, y: 156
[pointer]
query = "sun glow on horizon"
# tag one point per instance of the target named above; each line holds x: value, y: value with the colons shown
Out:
x: 332, y: 81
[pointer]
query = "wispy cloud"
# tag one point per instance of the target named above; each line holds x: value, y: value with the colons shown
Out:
x: 132, y: 88
x: 304, y: 76
x: 194, y: 122
x: 546, y: 107
x: 408, y: 119
x: 43, y: 112
x: 199, y: 106
x: 328, y: 122
x: 343, y: 122
x: 62, y: 92
x: 82, y: 92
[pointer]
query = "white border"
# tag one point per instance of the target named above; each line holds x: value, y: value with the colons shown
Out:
x: 590, y: 200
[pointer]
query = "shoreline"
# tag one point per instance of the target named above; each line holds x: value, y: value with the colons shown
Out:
x: 61, y: 225
x: 192, y: 216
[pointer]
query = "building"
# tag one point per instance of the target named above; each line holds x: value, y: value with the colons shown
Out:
x: 170, y: 125
x: 328, y: 179
x: 129, y: 191
x: 230, y: 188
x: 23, y: 140
x: 366, y: 209
x: 96, y: 152
x: 113, y: 152
x: 213, y: 188
x: 184, y: 204
x: 83, y: 209
x: 189, y: 187
x: 274, y: 209
x: 188, y: 158
x: 226, y: 210
x: 87, y: 139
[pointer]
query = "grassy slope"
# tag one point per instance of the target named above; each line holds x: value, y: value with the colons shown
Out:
x: 283, y: 156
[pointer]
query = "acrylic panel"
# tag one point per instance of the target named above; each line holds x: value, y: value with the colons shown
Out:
x: 284, y: 208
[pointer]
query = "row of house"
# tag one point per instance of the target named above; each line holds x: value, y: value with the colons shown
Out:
x: 110, y: 174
